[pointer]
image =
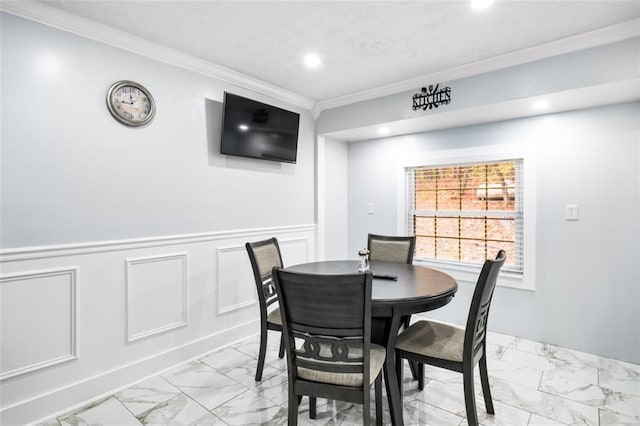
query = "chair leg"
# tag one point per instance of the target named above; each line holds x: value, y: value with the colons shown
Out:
x: 484, y: 379
x: 399, y: 370
x: 413, y: 366
x: 312, y: 407
x: 366, y: 407
x: 281, y: 351
x: 406, y: 321
x: 378, y: 395
x: 263, y: 350
x: 469, y: 397
x: 420, y: 376
x: 294, y: 402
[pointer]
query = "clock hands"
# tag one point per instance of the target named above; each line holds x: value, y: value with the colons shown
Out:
x: 130, y: 102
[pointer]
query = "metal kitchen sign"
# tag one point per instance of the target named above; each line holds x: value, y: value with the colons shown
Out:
x: 431, y: 97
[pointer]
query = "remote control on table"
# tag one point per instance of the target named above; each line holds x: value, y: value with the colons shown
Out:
x: 386, y: 277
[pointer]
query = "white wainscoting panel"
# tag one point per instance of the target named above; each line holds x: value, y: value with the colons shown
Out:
x: 131, y: 307
x: 236, y: 285
x: 294, y: 250
x: 156, y: 294
x: 38, y: 320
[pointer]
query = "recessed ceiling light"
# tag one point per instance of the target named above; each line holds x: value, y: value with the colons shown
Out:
x: 540, y: 105
x: 312, y: 60
x: 383, y: 130
x: 481, y: 4
x: 243, y: 127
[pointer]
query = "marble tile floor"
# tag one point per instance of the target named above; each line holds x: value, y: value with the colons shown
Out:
x: 532, y: 384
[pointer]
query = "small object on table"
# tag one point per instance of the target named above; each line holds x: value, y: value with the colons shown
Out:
x: 364, y: 260
x: 386, y: 277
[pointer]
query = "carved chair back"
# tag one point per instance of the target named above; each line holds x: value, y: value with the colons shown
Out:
x: 327, y: 324
x: 476, y: 329
x: 264, y: 256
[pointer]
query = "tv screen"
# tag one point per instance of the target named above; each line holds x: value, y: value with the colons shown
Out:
x: 256, y: 130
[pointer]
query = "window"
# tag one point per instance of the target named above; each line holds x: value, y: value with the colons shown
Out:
x: 463, y: 214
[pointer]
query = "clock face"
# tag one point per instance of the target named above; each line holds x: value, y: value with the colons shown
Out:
x: 130, y: 103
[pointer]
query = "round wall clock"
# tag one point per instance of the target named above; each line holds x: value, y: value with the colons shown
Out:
x: 130, y: 103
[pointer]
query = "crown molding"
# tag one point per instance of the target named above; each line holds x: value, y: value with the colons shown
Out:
x: 574, y: 43
x: 57, y: 18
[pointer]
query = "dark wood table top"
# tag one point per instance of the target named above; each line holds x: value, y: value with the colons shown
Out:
x: 416, y: 287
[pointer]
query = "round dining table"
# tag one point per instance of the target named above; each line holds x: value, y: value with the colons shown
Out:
x: 399, y: 290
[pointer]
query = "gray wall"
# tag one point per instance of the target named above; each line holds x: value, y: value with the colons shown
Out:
x: 71, y: 173
x: 587, y: 294
x: 335, y: 197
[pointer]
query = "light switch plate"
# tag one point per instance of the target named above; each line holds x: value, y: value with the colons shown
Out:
x: 571, y: 212
x: 370, y: 208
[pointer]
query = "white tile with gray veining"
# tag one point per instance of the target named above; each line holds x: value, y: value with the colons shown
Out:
x: 517, y: 373
x: 274, y: 388
x: 179, y: 411
x: 536, y: 420
x: 251, y: 408
x: 609, y: 418
x: 246, y: 373
x: 252, y: 347
x: 147, y: 394
x: 593, y: 395
x: 531, y: 346
x: 226, y: 360
x: 620, y: 376
x: 107, y: 412
x: 546, y: 405
x: 532, y: 383
x: 505, y: 415
x: 422, y: 413
x: 495, y: 351
x: 583, y: 373
x: 625, y: 404
x: 204, y: 384
x: 445, y: 396
x: 500, y: 339
x: 560, y: 384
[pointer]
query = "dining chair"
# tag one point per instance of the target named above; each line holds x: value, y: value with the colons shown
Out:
x: 264, y: 255
x: 327, y: 327
x: 391, y: 248
x: 454, y: 348
x: 396, y: 249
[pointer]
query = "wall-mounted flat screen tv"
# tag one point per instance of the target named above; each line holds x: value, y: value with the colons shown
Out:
x: 256, y: 130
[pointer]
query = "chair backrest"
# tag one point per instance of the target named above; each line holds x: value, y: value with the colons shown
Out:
x: 391, y: 249
x: 326, y: 320
x: 264, y: 256
x: 476, y: 330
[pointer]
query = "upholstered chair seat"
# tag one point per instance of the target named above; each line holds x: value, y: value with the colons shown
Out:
x: 378, y: 354
x: 433, y: 339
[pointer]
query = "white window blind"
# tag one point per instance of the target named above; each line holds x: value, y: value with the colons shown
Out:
x: 464, y: 214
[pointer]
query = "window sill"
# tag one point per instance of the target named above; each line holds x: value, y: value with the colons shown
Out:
x: 470, y: 274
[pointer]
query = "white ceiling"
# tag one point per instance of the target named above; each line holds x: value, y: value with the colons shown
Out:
x: 364, y: 44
